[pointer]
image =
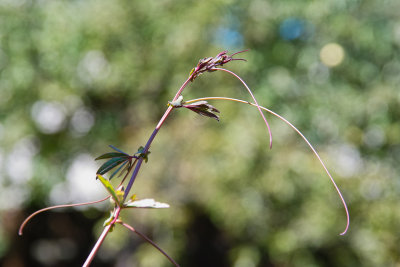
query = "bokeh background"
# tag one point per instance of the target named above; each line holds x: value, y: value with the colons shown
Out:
x: 76, y: 76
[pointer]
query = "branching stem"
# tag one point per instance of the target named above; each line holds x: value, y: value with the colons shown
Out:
x: 131, y: 181
x: 150, y: 241
x: 153, y: 135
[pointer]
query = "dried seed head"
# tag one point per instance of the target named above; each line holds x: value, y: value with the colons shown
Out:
x: 210, y: 63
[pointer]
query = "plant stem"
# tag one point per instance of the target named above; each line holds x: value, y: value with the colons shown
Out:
x: 133, y: 177
x: 97, y: 245
x: 102, y: 237
x: 153, y: 135
x: 302, y: 136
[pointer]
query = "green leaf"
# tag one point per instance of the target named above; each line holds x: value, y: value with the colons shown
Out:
x: 141, y: 153
x: 146, y: 203
x: 110, y: 164
x: 108, y: 220
x: 109, y: 188
x: 127, y: 168
x: 112, y: 155
x: 119, y: 150
x: 116, y: 171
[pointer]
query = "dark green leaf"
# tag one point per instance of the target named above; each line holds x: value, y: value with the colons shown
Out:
x: 116, y: 171
x: 112, y: 155
x: 119, y: 150
x: 110, y: 164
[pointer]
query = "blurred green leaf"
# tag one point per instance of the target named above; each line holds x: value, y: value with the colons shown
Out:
x: 142, y: 154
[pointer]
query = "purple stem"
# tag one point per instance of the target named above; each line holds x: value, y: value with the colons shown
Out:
x: 153, y: 135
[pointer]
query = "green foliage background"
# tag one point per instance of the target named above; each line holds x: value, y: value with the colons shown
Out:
x: 107, y: 70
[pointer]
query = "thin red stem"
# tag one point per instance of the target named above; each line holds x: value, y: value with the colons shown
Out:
x: 133, y: 177
x: 21, y: 228
x: 150, y: 241
x: 153, y: 135
x: 97, y: 245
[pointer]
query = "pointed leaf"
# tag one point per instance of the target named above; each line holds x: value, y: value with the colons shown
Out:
x: 108, y: 220
x: 127, y: 168
x: 112, y: 155
x: 202, y: 105
x: 116, y: 149
x: 109, y: 188
x: 206, y: 114
x: 110, y: 164
x: 146, y: 203
x: 119, y: 168
x: 203, y: 108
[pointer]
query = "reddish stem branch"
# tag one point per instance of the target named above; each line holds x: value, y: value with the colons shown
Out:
x: 150, y: 241
x: 97, y: 245
x: 153, y: 135
x: 21, y: 228
x: 133, y: 177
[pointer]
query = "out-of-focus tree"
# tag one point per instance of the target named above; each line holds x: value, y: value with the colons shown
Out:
x: 76, y: 76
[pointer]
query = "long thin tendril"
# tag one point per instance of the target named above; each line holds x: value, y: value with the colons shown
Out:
x: 254, y: 99
x: 21, y: 228
x: 302, y: 136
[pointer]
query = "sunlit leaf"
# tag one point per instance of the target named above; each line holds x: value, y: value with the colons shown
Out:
x: 109, y: 188
x: 120, y: 195
x: 146, y: 203
x: 108, y: 220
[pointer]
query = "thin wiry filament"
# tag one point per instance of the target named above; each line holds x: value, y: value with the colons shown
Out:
x: 302, y: 136
x: 21, y: 228
x: 255, y: 101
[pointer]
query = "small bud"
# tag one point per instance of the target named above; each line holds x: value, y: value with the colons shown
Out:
x: 210, y: 63
x: 177, y: 103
